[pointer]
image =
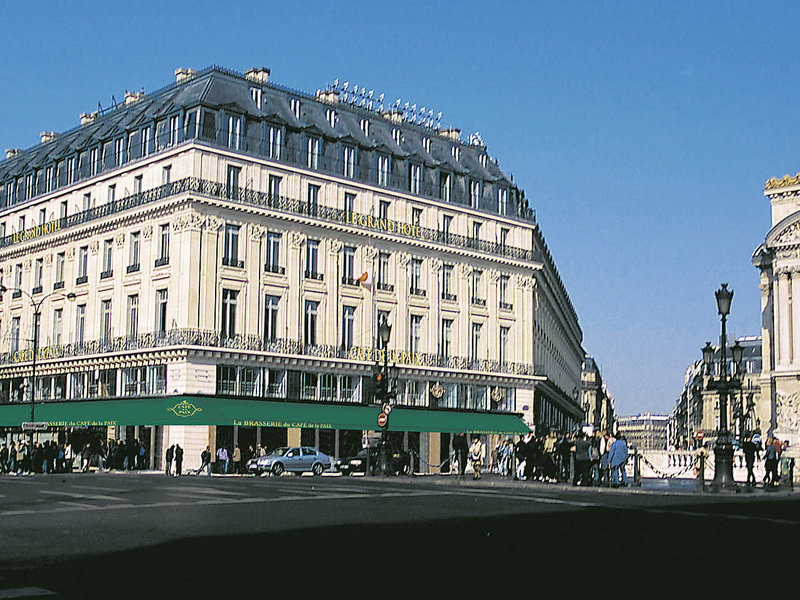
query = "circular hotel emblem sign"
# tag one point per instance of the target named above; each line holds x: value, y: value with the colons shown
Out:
x: 437, y: 391
x: 185, y: 409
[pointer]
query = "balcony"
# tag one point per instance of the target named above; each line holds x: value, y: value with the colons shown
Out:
x: 386, y: 287
x: 160, y: 262
x: 36, y: 290
x: 133, y: 268
x: 448, y: 296
x: 232, y: 262
x: 314, y: 275
x: 351, y: 281
x: 479, y: 301
x: 268, y: 268
x: 58, y: 285
x: 415, y: 291
x: 81, y: 280
x: 506, y: 306
x: 107, y: 274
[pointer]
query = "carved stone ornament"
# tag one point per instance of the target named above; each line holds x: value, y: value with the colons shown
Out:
x: 466, y: 270
x: 787, y: 411
x: 147, y: 232
x: 336, y: 246
x: 403, y: 258
x: 27, y: 265
x: 370, y: 252
x: 296, y: 239
x: 121, y: 240
x: 70, y: 253
x: 436, y: 264
x: 94, y: 246
x: 765, y: 287
x: 789, y: 235
x: 48, y: 260
x: 256, y: 231
x: 493, y: 275
x: 214, y: 223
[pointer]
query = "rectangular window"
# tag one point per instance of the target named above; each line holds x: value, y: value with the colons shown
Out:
x: 313, y: 153
x: 502, y: 201
x: 349, y: 202
x: 476, y: 341
x: 48, y: 180
x: 447, y: 338
x: 477, y: 285
x: 348, y: 321
x: 83, y: 262
x: 229, y: 299
x: 447, y: 283
x: 71, y: 170
x: 233, y: 181
x: 105, y: 320
x: 21, y: 224
x: 416, y: 277
x: 384, y: 169
x: 382, y: 316
x: 313, y: 199
x: 504, y: 299
x: 145, y: 142
x: 112, y: 193
x: 348, y: 266
x: 132, y: 324
x: 234, y: 132
x: 164, y: 244
x: 230, y: 253
x: 414, y: 178
x: 63, y: 209
x: 42, y: 216
x: 310, y: 328
x: 444, y: 186
x: 349, y: 161
x: 504, y: 236
x: 173, y: 130
x: 475, y: 194
x: 383, y: 209
x: 15, y: 324
x: 166, y: 175
x: 365, y: 126
x: 274, y: 137
x: 331, y: 117
x: 271, y: 319
x: 17, y: 280
x: 58, y: 280
x: 447, y: 222
x: 273, y: 252
x: 383, y: 272
x: 119, y: 152
x: 415, y: 334
x: 312, y: 252
x: 80, y: 323
x: 133, y: 251
x: 94, y: 161
x: 504, y: 344
x: 274, y: 186
x: 161, y: 311
x: 416, y: 217
x: 397, y: 135
x: 87, y: 202
x: 37, y: 275
x: 294, y: 106
x: 255, y: 94
x: 58, y: 317
x: 108, y: 248
x: 476, y: 231
x: 129, y: 146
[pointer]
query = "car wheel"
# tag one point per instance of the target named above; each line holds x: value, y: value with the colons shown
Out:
x: 277, y: 469
x: 317, y: 469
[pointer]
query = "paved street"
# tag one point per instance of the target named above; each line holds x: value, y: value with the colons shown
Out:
x: 120, y: 534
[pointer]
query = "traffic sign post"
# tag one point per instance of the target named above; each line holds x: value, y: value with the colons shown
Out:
x: 383, y: 419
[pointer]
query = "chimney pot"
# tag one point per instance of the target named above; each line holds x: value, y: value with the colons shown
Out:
x: 88, y: 117
x: 11, y: 152
x: 131, y: 97
x: 182, y: 75
x: 258, y: 74
x: 329, y: 96
x: 47, y: 136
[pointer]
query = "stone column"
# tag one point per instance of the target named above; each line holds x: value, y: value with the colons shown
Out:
x: 294, y: 296
x: 333, y: 304
x: 462, y: 338
x: 786, y: 317
x: 368, y: 319
x: 435, y: 311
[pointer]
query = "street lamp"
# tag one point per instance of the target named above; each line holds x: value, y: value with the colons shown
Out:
x: 724, y: 384
x: 37, y: 312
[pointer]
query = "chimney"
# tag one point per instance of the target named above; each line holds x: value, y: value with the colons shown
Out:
x: 394, y: 115
x: 452, y: 134
x: 11, y: 152
x: 258, y: 74
x: 182, y: 75
x: 329, y: 96
x: 88, y: 117
x: 47, y: 136
x: 131, y: 97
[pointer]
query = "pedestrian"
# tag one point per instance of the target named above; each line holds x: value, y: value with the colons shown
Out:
x: 140, y: 457
x: 460, y: 449
x: 237, y: 460
x: 205, y: 462
x: 771, y: 456
x: 580, y: 454
x: 178, y: 460
x: 750, y: 456
x: 222, y: 459
x: 170, y: 455
x: 520, y: 451
x: 476, y: 455
x: 69, y: 457
x: 133, y: 452
x: 3, y: 459
x: 617, y: 459
x: 86, y: 454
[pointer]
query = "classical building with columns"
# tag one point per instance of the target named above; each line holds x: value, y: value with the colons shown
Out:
x: 210, y: 262
x: 778, y: 258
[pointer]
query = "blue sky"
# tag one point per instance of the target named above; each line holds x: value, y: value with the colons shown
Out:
x: 642, y: 133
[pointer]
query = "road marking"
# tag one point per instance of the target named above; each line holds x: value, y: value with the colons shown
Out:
x: 68, y: 503
x: 28, y: 592
x: 82, y: 496
x: 98, y: 487
x: 203, y: 490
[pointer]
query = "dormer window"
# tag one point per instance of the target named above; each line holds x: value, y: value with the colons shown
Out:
x: 414, y: 178
x: 349, y: 161
x: 313, y: 152
x: 255, y: 94
x: 365, y: 126
x: 93, y: 159
x: 294, y: 105
x: 331, y: 117
x: 71, y: 170
x: 274, y: 137
x: 145, y: 139
x: 456, y: 151
x: 397, y: 135
x: 173, y: 130
x: 383, y: 169
x: 474, y: 194
x: 426, y: 145
x: 234, y: 132
x: 444, y: 186
x: 502, y: 201
x: 483, y: 160
x: 119, y: 154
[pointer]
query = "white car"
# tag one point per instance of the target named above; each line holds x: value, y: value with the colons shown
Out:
x: 297, y: 459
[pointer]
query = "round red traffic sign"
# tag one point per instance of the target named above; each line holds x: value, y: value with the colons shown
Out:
x: 386, y: 408
x: 383, y: 418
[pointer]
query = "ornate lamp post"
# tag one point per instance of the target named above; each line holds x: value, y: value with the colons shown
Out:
x: 724, y: 384
x: 37, y: 312
x: 384, y: 392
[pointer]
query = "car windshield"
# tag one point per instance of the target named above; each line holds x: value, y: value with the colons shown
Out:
x: 278, y: 452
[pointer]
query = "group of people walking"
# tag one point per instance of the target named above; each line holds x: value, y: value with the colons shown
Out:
x: 20, y: 458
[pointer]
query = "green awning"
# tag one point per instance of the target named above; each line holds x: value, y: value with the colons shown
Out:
x: 217, y: 410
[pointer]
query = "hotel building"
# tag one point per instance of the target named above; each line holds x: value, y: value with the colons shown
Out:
x: 209, y: 263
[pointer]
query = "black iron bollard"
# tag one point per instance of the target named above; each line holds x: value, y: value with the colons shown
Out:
x: 701, y: 473
x: 637, y: 469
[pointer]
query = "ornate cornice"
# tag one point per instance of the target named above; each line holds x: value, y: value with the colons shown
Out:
x: 785, y: 181
x: 296, y: 239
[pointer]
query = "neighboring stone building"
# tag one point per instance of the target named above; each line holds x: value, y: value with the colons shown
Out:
x: 645, y: 431
x: 230, y: 246
x: 597, y: 402
x: 696, y: 411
